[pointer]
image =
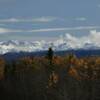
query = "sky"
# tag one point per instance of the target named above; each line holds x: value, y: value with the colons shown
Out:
x: 34, y: 20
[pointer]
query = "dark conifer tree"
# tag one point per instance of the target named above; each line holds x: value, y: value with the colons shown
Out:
x: 50, y: 55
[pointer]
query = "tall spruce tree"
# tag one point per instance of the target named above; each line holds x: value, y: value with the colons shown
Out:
x: 50, y: 55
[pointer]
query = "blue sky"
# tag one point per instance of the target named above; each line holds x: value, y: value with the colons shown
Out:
x: 47, y: 19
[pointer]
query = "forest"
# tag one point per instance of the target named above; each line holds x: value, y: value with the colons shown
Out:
x: 50, y: 77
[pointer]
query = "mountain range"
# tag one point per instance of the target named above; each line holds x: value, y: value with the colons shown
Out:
x: 67, y: 42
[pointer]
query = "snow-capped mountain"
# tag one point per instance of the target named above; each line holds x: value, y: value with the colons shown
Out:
x: 66, y: 42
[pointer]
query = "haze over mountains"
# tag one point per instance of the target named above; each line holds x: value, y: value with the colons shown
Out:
x: 65, y: 42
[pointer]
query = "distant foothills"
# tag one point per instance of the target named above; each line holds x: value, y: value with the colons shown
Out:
x: 79, y: 53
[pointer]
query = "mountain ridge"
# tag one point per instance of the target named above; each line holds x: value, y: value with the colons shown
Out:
x: 34, y: 46
x: 11, y: 56
x: 66, y: 42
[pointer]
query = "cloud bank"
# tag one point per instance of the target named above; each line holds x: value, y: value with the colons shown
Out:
x: 5, y: 30
x: 40, y: 19
x: 89, y: 41
x: 66, y: 42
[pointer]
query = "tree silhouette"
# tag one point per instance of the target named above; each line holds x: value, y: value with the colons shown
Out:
x: 50, y: 55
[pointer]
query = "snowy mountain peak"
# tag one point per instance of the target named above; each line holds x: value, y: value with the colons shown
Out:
x: 66, y: 42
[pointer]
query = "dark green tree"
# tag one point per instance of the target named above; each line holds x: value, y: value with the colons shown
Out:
x: 50, y: 54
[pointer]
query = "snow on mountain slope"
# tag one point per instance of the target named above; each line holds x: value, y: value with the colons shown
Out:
x: 92, y: 41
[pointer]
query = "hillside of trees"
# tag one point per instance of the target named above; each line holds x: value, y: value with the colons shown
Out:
x: 50, y: 78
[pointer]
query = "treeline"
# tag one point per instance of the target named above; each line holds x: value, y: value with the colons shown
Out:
x: 50, y: 78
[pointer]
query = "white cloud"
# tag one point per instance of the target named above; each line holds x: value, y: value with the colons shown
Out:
x: 9, y: 20
x: 40, y: 19
x: 5, y: 30
x: 44, y: 19
x: 69, y: 41
x: 66, y: 29
x: 95, y: 37
x: 81, y: 19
